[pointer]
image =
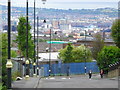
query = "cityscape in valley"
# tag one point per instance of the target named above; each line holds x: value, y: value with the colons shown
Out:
x: 69, y: 25
x: 60, y: 47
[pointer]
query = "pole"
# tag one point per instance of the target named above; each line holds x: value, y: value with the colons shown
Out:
x: 85, y: 52
x: 34, y: 42
x: 9, y: 63
x: 27, y: 61
x: 50, y: 55
x: 37, y: 47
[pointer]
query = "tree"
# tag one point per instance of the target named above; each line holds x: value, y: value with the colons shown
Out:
x: 4, y: 58
x: 21, y: 38
x: 66, y: 54
x: 81, y: 53
x: 75, y: 54
x: 108, y: 55
x: 98, y: 44
x: 116, y: 32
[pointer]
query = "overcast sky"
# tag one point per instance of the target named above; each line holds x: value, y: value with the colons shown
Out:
x: 65, y: 4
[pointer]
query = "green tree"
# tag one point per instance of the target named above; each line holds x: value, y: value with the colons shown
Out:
x: 108, y: 55
x: 116, y: 32
x: 66, y: 54
x: 21, y: 38
x: 75, y: 54
x: 98, y: 44
x: 81, y: 53
x: 4, y: 58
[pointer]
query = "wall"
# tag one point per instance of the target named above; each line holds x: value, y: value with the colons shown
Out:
x: 114, y: 73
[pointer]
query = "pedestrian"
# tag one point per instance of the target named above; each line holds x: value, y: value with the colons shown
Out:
x: 90, y: 74
x: 101, y: 73
x: 68, y: 71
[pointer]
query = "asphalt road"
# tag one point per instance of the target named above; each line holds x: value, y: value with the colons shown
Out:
x: 77, y: 82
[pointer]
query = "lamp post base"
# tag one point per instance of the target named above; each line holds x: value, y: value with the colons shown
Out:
x: 27, y: 77
x: 37, y: 75
x: 37, y: 71
x: 34, y: 75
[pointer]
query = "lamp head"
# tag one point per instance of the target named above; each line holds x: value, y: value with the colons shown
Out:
x: 9, y: 64
x: 43, y: 1
x: 34, y: 64
x: 44, y: 21
x: 27, y: 62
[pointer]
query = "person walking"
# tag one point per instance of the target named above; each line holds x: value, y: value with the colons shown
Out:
x: 101, y: 73
x: 90, y: 74
x: 68, y: 72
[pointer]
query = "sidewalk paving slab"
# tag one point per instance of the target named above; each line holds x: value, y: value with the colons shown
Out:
x: 30, y: 83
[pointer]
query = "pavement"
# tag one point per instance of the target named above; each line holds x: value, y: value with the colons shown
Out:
x: 74, y: 81
x: 32, y: 82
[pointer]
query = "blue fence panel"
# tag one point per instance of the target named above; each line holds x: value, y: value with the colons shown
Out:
x: 92, y: 66
x: 74, y: 68
x: 46, y: 70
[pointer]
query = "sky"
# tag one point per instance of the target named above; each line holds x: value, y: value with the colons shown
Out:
x: 65, y: 4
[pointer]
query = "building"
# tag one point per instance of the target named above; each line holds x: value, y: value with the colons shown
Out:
x: 45, y: 57
x: 89, y: 42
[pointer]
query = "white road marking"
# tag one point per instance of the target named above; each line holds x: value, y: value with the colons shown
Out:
x: 63, y: 78
x: 52, y: 78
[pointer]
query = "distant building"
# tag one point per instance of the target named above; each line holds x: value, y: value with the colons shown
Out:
x: 13, y: 28
x: 55, y: 24
x: 44, y: 58
x: 89, y: 42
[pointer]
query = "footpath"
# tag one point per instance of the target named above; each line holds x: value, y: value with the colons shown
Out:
x: 32, y: 82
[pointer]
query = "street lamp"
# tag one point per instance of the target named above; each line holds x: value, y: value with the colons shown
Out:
x: 37, y: 47
x: 9, y: 63
x: 50, y: 54
x: 37, y: 40
x: 85, y: 52
x: 34, y: 64
x: 27, y: 61
x: 43, y: 1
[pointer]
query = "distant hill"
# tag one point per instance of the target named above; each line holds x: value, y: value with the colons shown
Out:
x: 60, y: 13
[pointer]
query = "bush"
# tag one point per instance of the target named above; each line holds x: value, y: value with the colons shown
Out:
x: 2, y: 87
x: 108, y: 55
x: 15, y: 75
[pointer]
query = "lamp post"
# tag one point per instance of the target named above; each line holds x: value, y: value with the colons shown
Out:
x: 50, y: 54
x: 85, y: 52
x: 27, y: 61
x: 37, y: 47
x: 34, y: 64
x: 9, y: 63
x: 43, y: 1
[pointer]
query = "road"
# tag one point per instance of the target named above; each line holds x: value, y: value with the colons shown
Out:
x: 77, y: 82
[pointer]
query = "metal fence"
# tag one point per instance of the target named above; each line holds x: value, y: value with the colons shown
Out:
x: 72, y: 68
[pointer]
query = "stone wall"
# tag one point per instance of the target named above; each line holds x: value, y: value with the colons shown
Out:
x: 114, y: 73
